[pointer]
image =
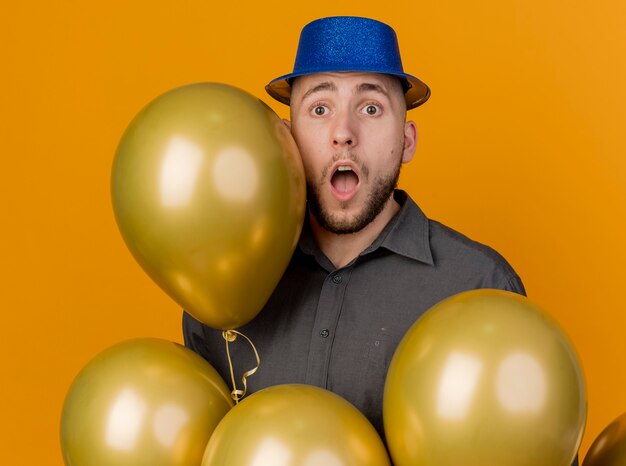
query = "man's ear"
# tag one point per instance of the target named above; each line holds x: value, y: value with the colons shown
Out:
x: 287, y: 123
x: 410, y: 141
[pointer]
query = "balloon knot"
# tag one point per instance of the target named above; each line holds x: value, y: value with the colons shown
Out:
x: 229, y: 336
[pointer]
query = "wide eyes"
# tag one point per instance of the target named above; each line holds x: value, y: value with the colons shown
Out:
x: 369, y: 109
x: 320, y: 110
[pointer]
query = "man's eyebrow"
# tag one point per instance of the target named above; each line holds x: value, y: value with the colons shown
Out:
x: 323, y: 86
x: 364, y: 87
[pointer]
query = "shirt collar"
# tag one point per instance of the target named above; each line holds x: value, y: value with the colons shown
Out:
x: 406, y: 234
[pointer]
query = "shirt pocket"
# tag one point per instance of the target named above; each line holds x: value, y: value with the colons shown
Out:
x: 378, y: 350
x: 369, y: 395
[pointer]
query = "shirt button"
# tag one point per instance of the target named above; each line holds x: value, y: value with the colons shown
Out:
x: 324, y: 333
x: 336, y: 279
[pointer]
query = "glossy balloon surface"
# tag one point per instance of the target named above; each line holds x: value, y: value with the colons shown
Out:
x: 209, y: 193
x: 142, y: 402
x: 295, y: 425
x: 484, y: 378
x: 609, y: 448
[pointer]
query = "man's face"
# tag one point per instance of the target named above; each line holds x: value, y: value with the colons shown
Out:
x: 351, y: 132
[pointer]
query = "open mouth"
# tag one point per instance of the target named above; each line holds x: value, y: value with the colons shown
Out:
x: 344, y: 180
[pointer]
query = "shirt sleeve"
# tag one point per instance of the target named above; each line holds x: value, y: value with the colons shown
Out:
x: 515, y: 285
x: 190, y: 326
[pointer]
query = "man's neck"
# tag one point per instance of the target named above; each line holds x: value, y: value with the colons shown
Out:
x: 343, y: 249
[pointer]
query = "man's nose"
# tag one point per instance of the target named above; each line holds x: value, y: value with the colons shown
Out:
x: 344, y: 131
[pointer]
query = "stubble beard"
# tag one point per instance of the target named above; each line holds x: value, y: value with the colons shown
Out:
x: 381, y: 191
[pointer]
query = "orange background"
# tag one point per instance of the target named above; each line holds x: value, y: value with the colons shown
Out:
x: 522, y: 147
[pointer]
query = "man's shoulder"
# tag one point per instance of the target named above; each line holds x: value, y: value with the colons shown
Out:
x: 448, y: 240
x: 452, y: 250
x: 453, y: 254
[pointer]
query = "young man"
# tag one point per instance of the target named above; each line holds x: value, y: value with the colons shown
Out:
x: 369, y: 263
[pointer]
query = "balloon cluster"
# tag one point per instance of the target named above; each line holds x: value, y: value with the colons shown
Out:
x: 208, y: 191
x: 209, y: 194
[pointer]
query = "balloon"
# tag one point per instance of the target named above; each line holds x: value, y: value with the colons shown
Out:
x: 295, y: 425
x: 484, y: 378
x: 609, y: 448
x: 209, y: 194
x: 142, y: 402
